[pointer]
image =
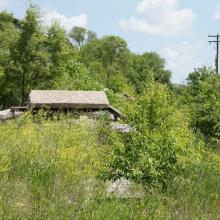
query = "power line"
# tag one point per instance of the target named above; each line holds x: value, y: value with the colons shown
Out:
x: 216, y: 41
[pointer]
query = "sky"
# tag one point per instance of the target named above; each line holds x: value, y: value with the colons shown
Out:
x: 176, y: 29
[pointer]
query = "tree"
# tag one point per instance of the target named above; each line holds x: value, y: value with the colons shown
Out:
x: 202, y: 97
x: 78, y: 35
x: 195, y: 78
x: 106, y: 50
x: 30, y: 58
x: 77, y: 77
x: 35, y: 58
x: 60, y: 50
x: 146, y: 64
x: 91, y: 36
x: 9, y: 34
x: 112, y: 49
x: 109, y: 51
x: 160, y: 145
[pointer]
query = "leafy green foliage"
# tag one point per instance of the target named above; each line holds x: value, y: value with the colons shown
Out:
x: 77, y: 77
x: 147, y: 64
x: 48, y: 165
x: 80, y: 36
x: 38, y: 57
x: 60, y: 50
x: 160, y: 145
x: 29, y: 66
x: 202, y: 98
x: 8, y: 37
x: 109, y: 51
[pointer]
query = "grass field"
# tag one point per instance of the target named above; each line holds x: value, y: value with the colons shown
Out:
x: 48, y: 170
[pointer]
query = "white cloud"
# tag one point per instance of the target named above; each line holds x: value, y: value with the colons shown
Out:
x: 182, y: 59
x: 3, y: 3
x: 66, y: 22
x: 162, y: 17
x: 217, y: 13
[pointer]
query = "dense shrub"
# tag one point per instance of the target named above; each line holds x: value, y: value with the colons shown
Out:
x: 207, y: 109
x: 200, y: 99
x: 160, y: 145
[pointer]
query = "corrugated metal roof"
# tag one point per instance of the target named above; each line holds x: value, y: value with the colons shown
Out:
x: 68, y: 99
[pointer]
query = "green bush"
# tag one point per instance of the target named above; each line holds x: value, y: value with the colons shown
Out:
x: 200, y: 99
x: 204, y: 104
x: 160, y: 145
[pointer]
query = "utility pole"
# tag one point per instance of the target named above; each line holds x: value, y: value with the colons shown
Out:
x: 216, y: 41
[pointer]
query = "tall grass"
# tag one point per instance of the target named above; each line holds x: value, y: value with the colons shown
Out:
x: 48, y: 170
x: 47, y: 167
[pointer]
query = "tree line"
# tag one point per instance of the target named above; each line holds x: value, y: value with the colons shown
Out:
x: 34, y: 56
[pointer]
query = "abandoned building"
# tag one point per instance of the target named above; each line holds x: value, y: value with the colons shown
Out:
x: 66, y: 101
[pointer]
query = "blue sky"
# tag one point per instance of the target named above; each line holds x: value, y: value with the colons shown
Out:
x: 177, y: 29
